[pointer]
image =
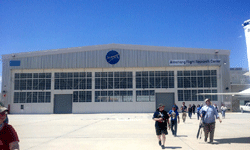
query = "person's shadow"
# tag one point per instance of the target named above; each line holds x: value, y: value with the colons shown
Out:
x: 242, y: 140
x: 173, y: 147
x: 181, y: 136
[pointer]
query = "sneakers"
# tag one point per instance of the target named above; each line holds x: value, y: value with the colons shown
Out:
x: 163, y: 147
x: 160, y: 143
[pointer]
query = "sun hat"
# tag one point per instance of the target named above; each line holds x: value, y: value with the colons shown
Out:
x: 2, y: 109
x: 207, y: 99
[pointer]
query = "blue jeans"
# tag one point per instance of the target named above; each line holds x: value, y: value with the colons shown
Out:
x: 190, y: 114
x: 223, y: 113
x: 174, y: 127
x: 198, y: 116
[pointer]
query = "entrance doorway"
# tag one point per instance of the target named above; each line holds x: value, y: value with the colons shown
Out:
x: 166, y: 99
x: 63, y: 104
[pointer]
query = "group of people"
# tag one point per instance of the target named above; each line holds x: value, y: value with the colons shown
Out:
x: 8, y: 136
x: 208, y: 114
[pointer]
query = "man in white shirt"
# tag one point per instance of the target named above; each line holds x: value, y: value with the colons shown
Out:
x: 208, y: 114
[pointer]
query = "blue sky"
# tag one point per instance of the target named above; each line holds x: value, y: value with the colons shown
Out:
x: 32, y: 25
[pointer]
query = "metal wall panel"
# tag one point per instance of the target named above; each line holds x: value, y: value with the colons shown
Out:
x: 97, y: 59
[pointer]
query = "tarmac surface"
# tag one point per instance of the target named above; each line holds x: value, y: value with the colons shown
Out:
x: 124, y: 131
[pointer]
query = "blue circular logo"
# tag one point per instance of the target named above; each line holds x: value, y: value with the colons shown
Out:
x: 112, y: 57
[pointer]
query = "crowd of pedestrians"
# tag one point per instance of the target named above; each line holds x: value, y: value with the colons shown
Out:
x: 170, y: 119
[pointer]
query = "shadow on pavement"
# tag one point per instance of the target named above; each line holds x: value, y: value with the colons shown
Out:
x: 181, y: 136
x: 172, y: 147
x: 243, y: 140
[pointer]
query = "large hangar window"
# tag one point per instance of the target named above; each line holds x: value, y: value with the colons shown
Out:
x: 145, y: 95
x: 155, y: 79
x: 191, y: 95
x: 198, y: 81
x: 113, y: 80
x: 32, y: 81
x: 82, y: 96
x: 113, y: 96
x: 73, y: 80
x: 32, y: 97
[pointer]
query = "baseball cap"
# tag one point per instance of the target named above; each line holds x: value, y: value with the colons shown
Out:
x: 161, y: 105
x: 2, y: 109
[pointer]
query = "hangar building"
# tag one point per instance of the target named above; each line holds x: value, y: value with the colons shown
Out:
x: 112, y: 78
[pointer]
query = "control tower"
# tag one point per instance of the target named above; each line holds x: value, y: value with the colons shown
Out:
x: 246, y: 26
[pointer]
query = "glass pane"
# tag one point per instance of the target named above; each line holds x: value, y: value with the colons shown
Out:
x: 200, y: 97
x: 89, y: 96
x: 75, y: 83
x: 97, y: 96
x: 48, y: 84
x: 180, y: 95
x: 110, y: 74
x: 194, y: 95
x: 89, y: 83
x: 171, y: 82
x: 34, y: 97
x: 75, y: 96
x: 187, y: 95
x: 57, y: 75
x: 29, y: 84
x: 35, y: 84
x: 41, y: 75
x: 41, y: 97
x: 180, y: 82
x: 16, y: 97
x: 29, y: 97
x: 138, y: 82
x: 47, y: 98
x: 76, y: 74
x: 23, y: 84
x: 16, y: 75
x: 17, y: 85
x: 35, y: 75
x: 41, y: 84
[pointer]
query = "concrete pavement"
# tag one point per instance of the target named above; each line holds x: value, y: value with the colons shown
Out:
x: 124, y: 131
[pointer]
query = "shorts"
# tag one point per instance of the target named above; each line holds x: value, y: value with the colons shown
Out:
x: 160, y: 131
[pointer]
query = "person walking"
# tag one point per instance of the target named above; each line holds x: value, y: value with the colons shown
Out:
x: 223, y: 110
x: 208, y: 113
x: 177, y: 108
x: 193, y: 108
x: 190, y: 110
x: 161, y: 119
x: 174, y: 116
x: 184, y: 111
x: 198, y: 111
x: 8, y: 136
x: 216, y: 107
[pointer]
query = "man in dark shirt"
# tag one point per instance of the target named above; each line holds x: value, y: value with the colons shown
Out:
x: 193, y: 108
x: 161, y: 121
x: 184, y: 111
x: 8, y: 136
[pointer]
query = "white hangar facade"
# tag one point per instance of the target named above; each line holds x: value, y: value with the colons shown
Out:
x: 112, y: 78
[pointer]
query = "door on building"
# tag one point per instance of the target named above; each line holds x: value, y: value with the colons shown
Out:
x: 166, y: 99
x: 63, y: 104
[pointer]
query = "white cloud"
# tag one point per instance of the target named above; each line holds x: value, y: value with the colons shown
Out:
x: 240, y: 36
